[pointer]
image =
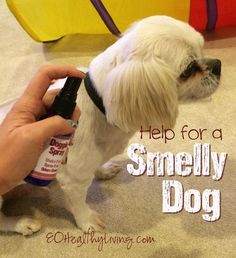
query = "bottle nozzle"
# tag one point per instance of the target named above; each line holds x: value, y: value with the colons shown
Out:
x: 70, y: 88
x: 65, y: 101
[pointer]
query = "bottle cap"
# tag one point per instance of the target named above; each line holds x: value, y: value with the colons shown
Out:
x: 65, y: 101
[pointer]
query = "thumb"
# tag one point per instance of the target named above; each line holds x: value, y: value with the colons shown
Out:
x: 52, y: 126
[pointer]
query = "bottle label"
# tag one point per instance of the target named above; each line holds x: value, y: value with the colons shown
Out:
x: 51, y: 158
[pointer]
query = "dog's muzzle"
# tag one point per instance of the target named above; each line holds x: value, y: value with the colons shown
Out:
x: 214, y: 65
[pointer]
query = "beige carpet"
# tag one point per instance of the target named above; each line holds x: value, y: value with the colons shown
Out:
x: 131, y: 206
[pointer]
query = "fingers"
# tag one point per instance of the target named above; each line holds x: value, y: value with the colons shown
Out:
x: 75, y: 116
x: 42, y: 80
x: 49, y: 127
x: 49, y: 97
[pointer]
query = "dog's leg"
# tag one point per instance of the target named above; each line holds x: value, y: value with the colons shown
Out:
x: 75, y: 181
x: 108, y: 170
x: 113, y: 158
x: 75, y: 200
x: 23, y: 225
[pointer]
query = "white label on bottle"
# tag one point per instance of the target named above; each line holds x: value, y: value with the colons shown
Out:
x: 51, y: 158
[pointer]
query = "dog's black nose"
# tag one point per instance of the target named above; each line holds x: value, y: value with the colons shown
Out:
x: 215, y: 66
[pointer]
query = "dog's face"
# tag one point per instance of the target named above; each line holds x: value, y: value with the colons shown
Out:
x: 158, y: 61
x: 200, y: 78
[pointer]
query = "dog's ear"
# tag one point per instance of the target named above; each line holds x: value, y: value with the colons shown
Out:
x: 141, y: 92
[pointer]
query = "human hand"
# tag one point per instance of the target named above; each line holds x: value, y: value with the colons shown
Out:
x: 22, y: 137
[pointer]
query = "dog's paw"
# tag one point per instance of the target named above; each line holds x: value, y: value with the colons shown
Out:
x: 90, y: 220
x: 108, y: 170
x: 27, y: 226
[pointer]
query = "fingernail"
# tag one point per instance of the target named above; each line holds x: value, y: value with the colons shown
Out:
x: 73, y: 123
x: 53, y: 81
x: 84, y: 74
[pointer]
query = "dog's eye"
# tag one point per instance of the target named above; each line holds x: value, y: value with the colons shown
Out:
x: 191, y: 69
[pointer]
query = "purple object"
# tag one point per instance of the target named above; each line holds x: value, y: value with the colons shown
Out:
x: 212, y: 14
x: 106, y: 17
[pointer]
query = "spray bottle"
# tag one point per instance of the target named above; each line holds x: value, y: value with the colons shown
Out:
x: 55, y: 148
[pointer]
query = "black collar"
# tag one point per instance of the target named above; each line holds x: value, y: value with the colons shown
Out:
x: 92, y: 92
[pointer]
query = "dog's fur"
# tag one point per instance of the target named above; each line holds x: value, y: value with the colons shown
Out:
x: 139, y: 81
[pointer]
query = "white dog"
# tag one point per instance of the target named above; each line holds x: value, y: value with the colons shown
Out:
x: 139, y: 81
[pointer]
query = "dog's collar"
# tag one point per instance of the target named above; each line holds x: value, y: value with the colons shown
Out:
x: 91, y: 90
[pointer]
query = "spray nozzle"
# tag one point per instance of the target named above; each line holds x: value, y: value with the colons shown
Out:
x: 70, y: 88
x: 65, y: 101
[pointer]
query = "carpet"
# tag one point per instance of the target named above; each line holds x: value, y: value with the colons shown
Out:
x: 131, y: 206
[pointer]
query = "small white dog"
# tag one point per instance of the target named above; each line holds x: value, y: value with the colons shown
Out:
x: 139, y: 80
